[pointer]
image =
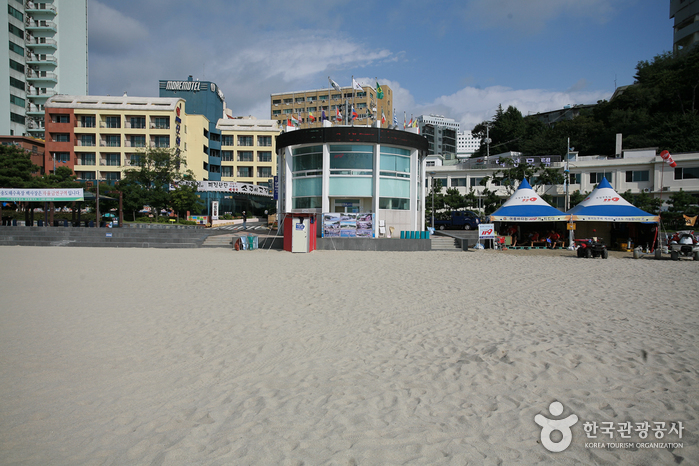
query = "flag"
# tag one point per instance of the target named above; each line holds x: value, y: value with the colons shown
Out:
x: 334, y: 84
x: 403, y: 120
x: 322, y: 116
x: 338, y: 115
x: 383, y: 117
x: 356, y: 86
x: 294, y: 120
x: 354, y: 114
x: 410, y: 123
x: 288, y: 122
x: 415, y: 123
x: 379, y: 91
x: 395, y: 118
x: 311, y: 117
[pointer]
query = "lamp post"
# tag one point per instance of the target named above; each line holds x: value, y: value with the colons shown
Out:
x: 432, y: 183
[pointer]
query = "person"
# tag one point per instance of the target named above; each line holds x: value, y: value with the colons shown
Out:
x: 533, y: 237
x: 514, y: 234
x: 554, y: 239
x: 245, y: 221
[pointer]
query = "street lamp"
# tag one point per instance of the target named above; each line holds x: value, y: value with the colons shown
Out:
x: 432, y: 183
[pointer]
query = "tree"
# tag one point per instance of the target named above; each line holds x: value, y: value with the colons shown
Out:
x: 184, y: 198
x: 514, y: 172
x: 134, y: 196
x: 453, y: 200
x: 576, y: 197
x: 158, y: 169
x: 16, y: 168
x: 643, y: 201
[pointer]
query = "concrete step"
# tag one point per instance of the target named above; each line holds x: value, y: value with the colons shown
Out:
x: 445, y: 243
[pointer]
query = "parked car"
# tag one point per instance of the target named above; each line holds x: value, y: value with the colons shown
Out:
x: 461, y: 219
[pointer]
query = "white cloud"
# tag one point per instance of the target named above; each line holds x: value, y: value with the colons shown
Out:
x: 471, y: 106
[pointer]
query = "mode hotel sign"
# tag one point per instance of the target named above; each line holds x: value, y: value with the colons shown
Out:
x: 183, y: 86
x: 192, y: 86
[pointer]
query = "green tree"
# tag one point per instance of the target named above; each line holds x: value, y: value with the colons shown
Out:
x: 134, y: 196
x: 454, y: 200
x: 184, y: 198
x: 576, y: 197
x: 157, y: 170
x: 16, y: 168
x: 538, y: 176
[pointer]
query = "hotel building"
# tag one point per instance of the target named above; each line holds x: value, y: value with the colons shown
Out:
x: 304, y: 104
x: 47, y: 56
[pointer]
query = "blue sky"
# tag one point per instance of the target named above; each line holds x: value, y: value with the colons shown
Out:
x: 460, y: 59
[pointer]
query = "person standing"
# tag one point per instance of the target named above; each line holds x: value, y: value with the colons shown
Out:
x: 245, y: 221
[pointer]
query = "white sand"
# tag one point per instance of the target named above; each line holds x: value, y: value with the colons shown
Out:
x: 210, y: 356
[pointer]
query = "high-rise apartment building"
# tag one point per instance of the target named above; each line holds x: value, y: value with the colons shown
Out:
x: 47, y: 48
x: 440, y: 133
x: 686, y: 27
x: 305, y: 108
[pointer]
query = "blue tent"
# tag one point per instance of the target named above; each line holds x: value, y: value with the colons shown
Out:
x: 605, y: 205
x: 525, y: 205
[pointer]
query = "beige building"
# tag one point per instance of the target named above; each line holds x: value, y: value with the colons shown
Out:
x: 308, y: 106
x: 248, y: 153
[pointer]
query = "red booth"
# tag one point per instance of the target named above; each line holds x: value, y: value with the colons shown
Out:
x: 300, y: 232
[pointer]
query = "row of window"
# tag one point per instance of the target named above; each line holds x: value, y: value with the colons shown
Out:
x: 322, y: 98
x: 115, y: 121
x: 113, y: 140
x: 631, y: 176
x: 245, y: 172
x: 246, y: 156
x: 15, y: 30
x: 246, y: 141
x: 315, y: 202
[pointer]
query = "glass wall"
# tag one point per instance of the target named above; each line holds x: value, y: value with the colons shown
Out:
x: 351, y: 170
x: 307, y: 179
x: 394, y: 181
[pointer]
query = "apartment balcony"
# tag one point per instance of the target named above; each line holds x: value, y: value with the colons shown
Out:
x: 35, y: 110
x: 85, y: 143
x: 40, y: 43
x: 40, y: 26
x: 104, y: 143
x: 35, y: 9
x: 139, y: 144
x: 37, y: 95
x: 41, y: 59
x: 42, y: 78
x: 159, y: 145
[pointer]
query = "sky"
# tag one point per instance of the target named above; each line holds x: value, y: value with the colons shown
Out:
x: 459, y: 59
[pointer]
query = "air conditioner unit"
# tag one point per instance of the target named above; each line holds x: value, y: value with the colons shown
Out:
x: 646, y: 190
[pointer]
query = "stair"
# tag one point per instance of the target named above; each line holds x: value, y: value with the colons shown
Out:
x: 445, y: 243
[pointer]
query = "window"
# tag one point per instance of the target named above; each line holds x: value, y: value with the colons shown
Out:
x: 112, y: 160
x: 17, y: 100
x: 682, y: 173
x: 336, y: 96
x: 264, y: 141
x: 161, y: 141
x: 575, y: 178
x: 348, y: 158
x: 17, y: 83
x: 62, y: 157
x: 15, y: 13
x: 87, y: 158
x: 226, y: 140
x: 430, y: 163
x: 214, y: 168
x: 307, y: 158
x: 113, y: 122
x: 113, y: 140
x: 138, y: 141
x: 301, y: 99
x: 288, y: 101
x: 60, y: 118
x: 227, y: 156
x: 61, y: 137
x: 112, y: 176
x: 276, y: 112
x: 85, y: 175
x: 226, y: 171
x: 244, y: 172
x: 264, y: 172
x: 265, y: 156
x: 17, y: 49
x: 87, y: 121
x: 394, y: 203
x: 288, y: 111
x: 632, y: 176
x: 245, y: 156
x: 161, y: 123
x: 245, y: 140
x: 597, y: 177
x: 138, y: 122
x: 323, y: 98
x: 16, y: 66
x: 135, y: 159
x: 276, y: 102
x: 458, y: 182
x: 16, y: 31
x: 15, y: 118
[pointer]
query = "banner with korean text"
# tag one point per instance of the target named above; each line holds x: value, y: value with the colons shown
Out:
x: 41, y: 195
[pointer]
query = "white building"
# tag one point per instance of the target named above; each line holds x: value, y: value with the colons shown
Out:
x: 640, y: 170
x: 441, y: 134
x: 47, y: 56
x: 466, y: 144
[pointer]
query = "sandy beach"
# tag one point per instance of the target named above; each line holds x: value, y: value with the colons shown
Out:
x: 217, y: 357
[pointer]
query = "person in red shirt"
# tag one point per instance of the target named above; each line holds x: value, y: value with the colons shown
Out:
x: 554, y: 238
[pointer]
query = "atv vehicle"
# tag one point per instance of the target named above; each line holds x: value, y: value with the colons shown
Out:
x: 591, y: 247
x: 683, y: 244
